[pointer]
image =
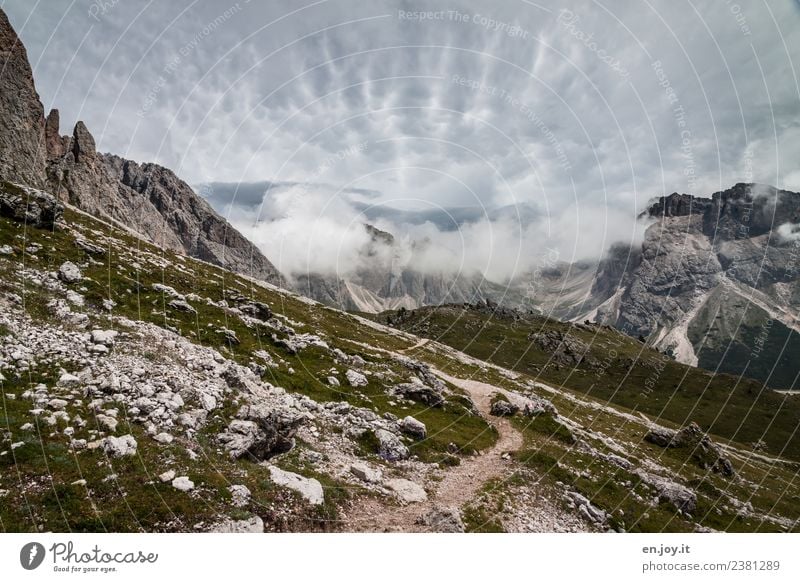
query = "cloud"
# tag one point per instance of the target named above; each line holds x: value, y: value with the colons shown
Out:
x: 581, y: 117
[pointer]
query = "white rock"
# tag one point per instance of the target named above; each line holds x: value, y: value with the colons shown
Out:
x: 356, y: 379
x: 57, y: 404
x: 122, y: 446
x: 182, y: 484
x: 208, y: 402
x: 104, y: 337
x: 108, y: 422
x: 407, y: 491
x: 69, y: 272
x: 75, y: 298
x: 309, y: 489
x: 68, y: 380
x: 333, y: 381
x: 164, y: 438
x: 167, y: 476
x: 364, y: 473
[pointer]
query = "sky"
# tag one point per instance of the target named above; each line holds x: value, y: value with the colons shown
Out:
x: 495, y: 131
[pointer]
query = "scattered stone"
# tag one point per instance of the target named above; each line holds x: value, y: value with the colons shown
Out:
x: 411, y: 426
x: 365, y: 473
x: 240, y: 495
x: 333, y: 381
x: 356, y: 379
x: 164, y: 438
x: 69, y: 272
x: 390, y: 447
x: 183, y: 484
x: 309, y: 489
x: 703, y: 450
x: 407, y: 491
x: 107, y: 422
x: 122, y: 446
x: 443, y: 520
x: 104, y: 337
x: 167, y: 476
x: 68, y: 380
x: 586, y: 509
x: 181, y: 305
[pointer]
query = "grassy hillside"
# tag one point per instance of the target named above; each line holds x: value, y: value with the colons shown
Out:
x: 615, y: 369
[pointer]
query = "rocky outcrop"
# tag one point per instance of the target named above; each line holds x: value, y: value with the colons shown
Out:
x: 22, y: 144
x: 150, y: 200
x: 714, y: 283
x: 29, y: 205
x: 701, y: 449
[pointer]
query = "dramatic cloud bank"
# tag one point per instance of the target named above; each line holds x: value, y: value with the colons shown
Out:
x: 578, y: 112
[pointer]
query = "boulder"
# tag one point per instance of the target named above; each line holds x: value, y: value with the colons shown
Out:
x: 407, y: 491
x: 104, y: 337
x: 122, y: 446
x: 183, y: 483
x: 365, y: 473
x: 702, y: 449
x: 390, y: 447
x: 502, y: 407
x: 260, y: 433
x: 309, y: 489
x: 356, y: 379
x: 443, y: 520
x: 414, y: 428
x: 69, y: 272
x: 419, y: 392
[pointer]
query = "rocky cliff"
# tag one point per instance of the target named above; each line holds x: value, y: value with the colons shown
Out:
x: 717, y: 282
x: 146, y: 198
x: 22, y: 149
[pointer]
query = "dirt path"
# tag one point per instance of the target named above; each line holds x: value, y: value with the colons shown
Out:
x: 460, y: 484
x: 419, y: 344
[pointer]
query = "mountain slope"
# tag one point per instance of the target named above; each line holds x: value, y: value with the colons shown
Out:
x: 204, y: 396
x: 147, y: 198
x: 716, y: 283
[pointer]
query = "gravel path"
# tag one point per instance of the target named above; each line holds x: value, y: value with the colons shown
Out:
x: 460, y: 484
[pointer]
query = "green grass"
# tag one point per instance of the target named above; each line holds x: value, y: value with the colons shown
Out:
x: 625, y: 373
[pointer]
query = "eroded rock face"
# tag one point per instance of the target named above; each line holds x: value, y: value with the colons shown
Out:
x: 29, y: 205
x: 711, y: 276
x: 22, y: 144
